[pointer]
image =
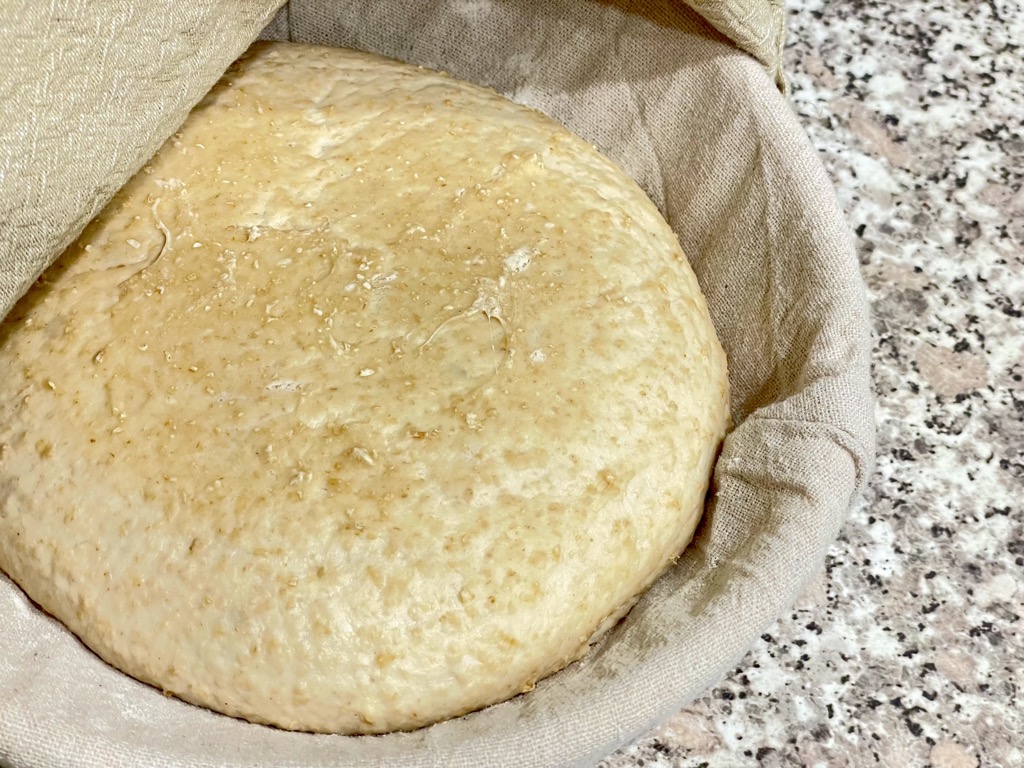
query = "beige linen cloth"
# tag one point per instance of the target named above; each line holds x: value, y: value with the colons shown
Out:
x: 89, y: 91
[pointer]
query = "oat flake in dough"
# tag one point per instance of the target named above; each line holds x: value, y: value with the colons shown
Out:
x: 371, y: 400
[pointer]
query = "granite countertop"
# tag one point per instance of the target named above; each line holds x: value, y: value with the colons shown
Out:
x: 909, y: 649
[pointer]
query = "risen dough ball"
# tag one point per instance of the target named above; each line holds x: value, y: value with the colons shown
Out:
x: 373, y: 399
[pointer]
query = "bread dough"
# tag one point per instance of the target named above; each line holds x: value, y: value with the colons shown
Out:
x: 371, y: 400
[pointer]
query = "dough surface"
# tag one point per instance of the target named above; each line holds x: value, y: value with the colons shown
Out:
x: 370, y: 401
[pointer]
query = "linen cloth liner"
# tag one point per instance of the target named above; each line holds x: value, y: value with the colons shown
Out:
x: 90, y: 90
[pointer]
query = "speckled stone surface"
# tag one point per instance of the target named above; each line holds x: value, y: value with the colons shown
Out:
x: 909, y: 649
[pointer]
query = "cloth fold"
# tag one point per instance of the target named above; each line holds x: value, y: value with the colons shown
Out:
x: 91, y: 89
